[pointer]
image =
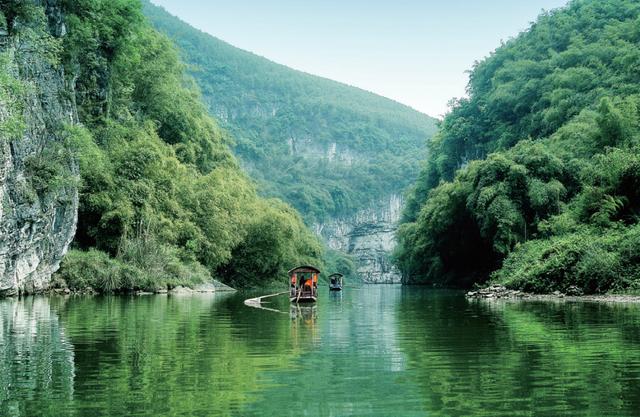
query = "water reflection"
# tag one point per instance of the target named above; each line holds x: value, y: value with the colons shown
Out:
x: 36, y: 358
x: 373, y: 351
x: 354, y: 366
x: 492, y: 358
x: 306, y: 316
x: 160, y: 355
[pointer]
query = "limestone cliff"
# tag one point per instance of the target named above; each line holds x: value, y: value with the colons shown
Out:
x: 368, y: 236
x: 338, y: 154
x: 38, y: 191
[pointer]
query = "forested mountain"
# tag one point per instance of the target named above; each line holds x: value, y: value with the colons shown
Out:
x: 535, y: 177
x: 326, y: 148
x: 162, y: 199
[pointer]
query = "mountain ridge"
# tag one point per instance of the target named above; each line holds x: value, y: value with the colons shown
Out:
x: 331, y: 150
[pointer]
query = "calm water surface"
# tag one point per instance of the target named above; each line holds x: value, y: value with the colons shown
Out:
x: 373, y: 351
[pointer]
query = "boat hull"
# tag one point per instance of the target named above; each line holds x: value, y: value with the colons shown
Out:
x: 303, y: 300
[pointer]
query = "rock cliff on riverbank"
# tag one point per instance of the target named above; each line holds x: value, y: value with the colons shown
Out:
x: 369, y: 237
x: 38, y: 192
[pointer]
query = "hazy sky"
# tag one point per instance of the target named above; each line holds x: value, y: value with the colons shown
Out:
x: 413, y: 51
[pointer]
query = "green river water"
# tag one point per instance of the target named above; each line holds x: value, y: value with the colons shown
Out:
x: 370, y: 351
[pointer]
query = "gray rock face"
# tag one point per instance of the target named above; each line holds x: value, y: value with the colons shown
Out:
x: 369, y: 236
x: 38, y: 177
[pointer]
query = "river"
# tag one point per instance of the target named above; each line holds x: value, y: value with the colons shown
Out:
x: 370, y: 351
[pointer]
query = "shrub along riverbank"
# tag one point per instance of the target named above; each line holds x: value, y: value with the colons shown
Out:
x: 534, y: 180
x: 163, y: 202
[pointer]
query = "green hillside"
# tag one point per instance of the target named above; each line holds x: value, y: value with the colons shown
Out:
x: 326, y: 148
x: 535, y: 177
x: 163, y: 202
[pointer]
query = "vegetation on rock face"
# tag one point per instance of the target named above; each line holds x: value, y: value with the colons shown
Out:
x: 163, y: 202
x: 536, y: 176
x: 11, y: 124
x: 326, y: 148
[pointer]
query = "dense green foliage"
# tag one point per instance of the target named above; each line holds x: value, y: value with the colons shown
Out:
x: 336, y: 261
x: 540, y: 165
x: 163, y: 201
x: 286, y: 123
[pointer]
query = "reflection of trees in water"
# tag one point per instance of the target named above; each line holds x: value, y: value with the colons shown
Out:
x: 522, y: 358
x: 376, y: 348
x: 36, y: 359
x: 352, y: 369
x: 147, y: 356
x: 186, y: 352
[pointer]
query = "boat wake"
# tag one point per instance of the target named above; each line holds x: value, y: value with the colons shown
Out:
x: 257, y: 302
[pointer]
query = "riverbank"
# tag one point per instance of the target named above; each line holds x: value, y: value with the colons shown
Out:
x: 206, y: 288
x: 496, y: 292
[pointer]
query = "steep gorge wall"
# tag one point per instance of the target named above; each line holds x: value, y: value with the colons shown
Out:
x: 338, y: 154
x: 369, y: 237
x: 38, y: 177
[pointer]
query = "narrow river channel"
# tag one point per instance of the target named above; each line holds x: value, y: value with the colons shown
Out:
x: 370, y: 351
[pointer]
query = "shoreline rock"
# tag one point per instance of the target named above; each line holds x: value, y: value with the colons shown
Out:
x: 206, y: 288
x: 37, y: 218
x: 574, y: 294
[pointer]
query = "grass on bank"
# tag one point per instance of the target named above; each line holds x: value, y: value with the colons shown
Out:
x: 142, y: 265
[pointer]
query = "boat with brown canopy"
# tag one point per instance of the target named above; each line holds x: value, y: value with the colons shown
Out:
x: 303, y: 282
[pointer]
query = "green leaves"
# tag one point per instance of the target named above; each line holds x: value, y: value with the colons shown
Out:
x: 325, y: 148
x: 558, y: 107
x: 162, y: 199
x: 595, y: 262
x: 607, y: 208
x: 12, y: 123
x: 617, y: 123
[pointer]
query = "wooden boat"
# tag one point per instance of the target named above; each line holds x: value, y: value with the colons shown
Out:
x: 335, y: 282
x: 303, y: 283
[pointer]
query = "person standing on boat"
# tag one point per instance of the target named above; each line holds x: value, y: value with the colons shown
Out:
x: 294, y: 280
x: 308, y: 284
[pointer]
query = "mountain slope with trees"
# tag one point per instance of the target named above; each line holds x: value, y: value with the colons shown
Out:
x: 326, y: 148
x: 163, y: 201
x: 534, y: 179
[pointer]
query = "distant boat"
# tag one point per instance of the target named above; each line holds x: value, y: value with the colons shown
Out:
x: 303, y: 282
x: 335, y: 282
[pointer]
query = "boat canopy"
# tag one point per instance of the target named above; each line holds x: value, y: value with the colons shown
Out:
x: 303, y: 284
x: 336, y: 275
x: 304, y: 269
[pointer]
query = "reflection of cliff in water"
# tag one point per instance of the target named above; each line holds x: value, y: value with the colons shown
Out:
x: 36, y: 358
x: 364, y: 323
